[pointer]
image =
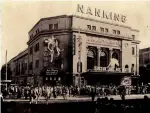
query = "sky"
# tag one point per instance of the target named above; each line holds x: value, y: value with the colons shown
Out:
x: 18, y: 17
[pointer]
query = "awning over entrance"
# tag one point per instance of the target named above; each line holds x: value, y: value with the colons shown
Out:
x: 105, y: 73
x: 104, y: 77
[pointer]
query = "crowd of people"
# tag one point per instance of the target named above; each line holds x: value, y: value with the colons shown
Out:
x: 103, y: 105
x: 65, y: 91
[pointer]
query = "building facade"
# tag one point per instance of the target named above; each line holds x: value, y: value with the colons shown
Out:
x: 144, y: 55
x: 19, y: 67
x: 65, y: 48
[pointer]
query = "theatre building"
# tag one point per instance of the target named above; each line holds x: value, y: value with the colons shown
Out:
x: 62, y: 49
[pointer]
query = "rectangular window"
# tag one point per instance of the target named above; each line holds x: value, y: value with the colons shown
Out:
x: 30, y: 66
x: 37, y: 31
x: 36, y: 48
x: 94, y: 28
x: 114, y: 31
x: 133, y: 51
x: 106, y: 30
x: 102, y: 29
x: 50, y: 26
x: 118, y: 32
x: 31, y: 50
x: 37, y: 64
x: 25, y: 66
x: 133, y: 36
x: 56, y: 26
x: 89, y: 27
x: 31, y: 36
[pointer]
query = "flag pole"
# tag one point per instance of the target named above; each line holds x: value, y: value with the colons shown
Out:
x: 6, y: 69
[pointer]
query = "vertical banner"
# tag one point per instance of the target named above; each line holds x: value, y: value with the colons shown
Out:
x: 74, y: 44
x: 79, y: 47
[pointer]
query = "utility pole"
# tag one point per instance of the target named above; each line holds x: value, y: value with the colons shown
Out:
x: 6, y: 68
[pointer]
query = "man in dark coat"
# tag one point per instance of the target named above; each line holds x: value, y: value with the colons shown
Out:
x: 93, y: 94
x: 122, y: 92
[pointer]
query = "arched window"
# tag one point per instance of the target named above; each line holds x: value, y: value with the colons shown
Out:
x: 90, y: 54
x: 126, y: 66
x: 115, y: 55
x: 103, y: 59
x: 90, y: 59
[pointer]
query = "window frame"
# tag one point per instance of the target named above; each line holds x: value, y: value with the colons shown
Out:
x: 37, y: 63
x: 133, y: 50
x: 106, y: 30
x: 118, y: 32
x: 133, y: 36
x: 93, y: 28
x: 89, y: 27
x: 102, y: 29
x: 30, y: 65
x: 51, y: 27
x: 114, y: 31
x: 56, y: 26
x: 36, y: 48
x: 31, y: 50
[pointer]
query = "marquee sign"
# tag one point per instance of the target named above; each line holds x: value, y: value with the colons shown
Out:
x: 103, y: 41
x: 51, y: 72
x: 104, y: 69
x: 101, y: 13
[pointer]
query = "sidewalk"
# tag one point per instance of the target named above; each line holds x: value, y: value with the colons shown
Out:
x: 78, y: 98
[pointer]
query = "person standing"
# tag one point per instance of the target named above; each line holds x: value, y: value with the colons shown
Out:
x: 48, y: 94
x: 123, y: 92
x: 36, y: 94
x: 64, y: 92
x: 54, y: 92
x: 93, y: 94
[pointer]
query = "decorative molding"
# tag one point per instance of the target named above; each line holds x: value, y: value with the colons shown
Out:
x: 85, y: 31
x: 87, y: 49
x: 104, y: 41
x: 110, y: 49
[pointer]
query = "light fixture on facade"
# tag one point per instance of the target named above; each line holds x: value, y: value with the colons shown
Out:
x: 46, y: 78
x: 50, y: 78
x: 59, y: 79
x: 54, y: 78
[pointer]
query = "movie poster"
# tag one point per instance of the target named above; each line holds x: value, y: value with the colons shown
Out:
x: 126, y: 81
